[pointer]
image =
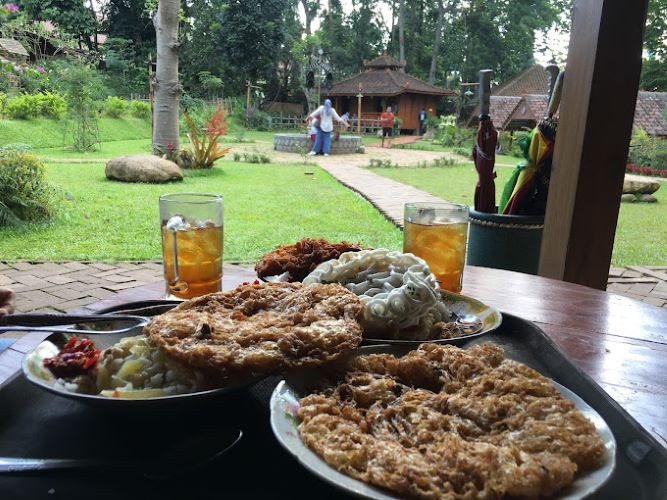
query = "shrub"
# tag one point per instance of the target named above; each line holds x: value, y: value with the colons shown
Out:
x: 3, y: 101
x: 448, y: 134
x: 140, y: 109
x: 51, y: 105
x: 115, y: 107
x: 25, y: 196
x: 647, y: 150
x: 255, y: 158
x: 22, y: 107
x: 25, y: 106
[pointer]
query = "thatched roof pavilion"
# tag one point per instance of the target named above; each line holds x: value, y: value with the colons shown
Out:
x: 383, y: 83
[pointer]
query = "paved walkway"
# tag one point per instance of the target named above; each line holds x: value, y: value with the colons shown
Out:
x: 402, y: 139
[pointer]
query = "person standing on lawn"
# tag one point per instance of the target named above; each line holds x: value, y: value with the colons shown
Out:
x: 387, y: 122
x: 327, y: 116
x: 422, y: 120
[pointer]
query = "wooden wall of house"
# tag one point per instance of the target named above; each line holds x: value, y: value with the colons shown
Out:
x: 408, y: 107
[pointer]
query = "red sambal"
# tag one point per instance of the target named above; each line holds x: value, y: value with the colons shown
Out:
x: 76, y: 358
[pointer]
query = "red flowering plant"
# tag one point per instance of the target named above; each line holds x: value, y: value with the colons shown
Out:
x: 204, y: 142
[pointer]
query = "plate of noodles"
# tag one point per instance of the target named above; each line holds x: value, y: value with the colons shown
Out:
x: 402, y: 299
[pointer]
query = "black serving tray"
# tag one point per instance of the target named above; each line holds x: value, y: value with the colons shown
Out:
x: 36, y: 423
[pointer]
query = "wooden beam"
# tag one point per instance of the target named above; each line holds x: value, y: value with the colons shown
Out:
x: 599, y: 94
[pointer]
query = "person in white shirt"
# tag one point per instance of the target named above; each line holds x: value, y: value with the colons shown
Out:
x: 327, y: 115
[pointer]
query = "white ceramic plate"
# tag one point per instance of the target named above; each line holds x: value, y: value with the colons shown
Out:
x: 33, y: 369
x: 284, y: 422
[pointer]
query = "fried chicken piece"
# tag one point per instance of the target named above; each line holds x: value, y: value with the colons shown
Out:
x: 302, y: 257
x: 450, y: 423
x: 257, y: 329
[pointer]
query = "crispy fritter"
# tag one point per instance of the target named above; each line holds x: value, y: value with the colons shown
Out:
x: 302, y: 257
x: 257, y: 329
x: 444, y: 422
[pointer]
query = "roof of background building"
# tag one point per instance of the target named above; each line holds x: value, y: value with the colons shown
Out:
x: 384, y: 76
x: 13, y: 46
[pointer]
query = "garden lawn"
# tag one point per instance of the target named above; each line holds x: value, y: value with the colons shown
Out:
x: 45, y: 133
x: 265, y: 206
x: 641, y: 239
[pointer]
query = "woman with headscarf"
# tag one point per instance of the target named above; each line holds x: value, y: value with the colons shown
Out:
x: 327, y: 115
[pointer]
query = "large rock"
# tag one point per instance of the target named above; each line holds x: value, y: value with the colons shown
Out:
x: 143, y: 168
x: 639, y: 186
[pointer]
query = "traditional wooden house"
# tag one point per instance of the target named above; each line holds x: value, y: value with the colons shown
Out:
x: 521, y: 102
x: 383, y: 83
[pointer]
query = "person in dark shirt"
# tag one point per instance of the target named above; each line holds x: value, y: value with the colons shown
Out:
x: 422, y: 121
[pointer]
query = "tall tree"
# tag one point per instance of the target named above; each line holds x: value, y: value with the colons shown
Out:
x: 310, y: 8
x: 73, y: 17
x: 401, y: 30
x: 167, y: 86
x: 436, y: 41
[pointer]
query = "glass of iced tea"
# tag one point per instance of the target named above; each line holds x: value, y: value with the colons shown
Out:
x: 191, y: 226
x: 438, y: 233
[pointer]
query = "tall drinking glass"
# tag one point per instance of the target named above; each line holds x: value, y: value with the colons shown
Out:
x: 192, y: 235
x: 438, y: 233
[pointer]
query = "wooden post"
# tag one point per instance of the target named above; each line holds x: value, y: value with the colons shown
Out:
x: 596, y: 116
x: 247, y: 98
x: 359, y: 96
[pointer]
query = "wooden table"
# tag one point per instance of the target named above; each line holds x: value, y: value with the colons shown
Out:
x: 619, y: 342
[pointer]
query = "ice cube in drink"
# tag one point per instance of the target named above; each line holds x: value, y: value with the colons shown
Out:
x: 199, y: 254
x: 443, y: 246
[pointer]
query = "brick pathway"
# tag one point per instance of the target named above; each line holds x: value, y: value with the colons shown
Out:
x: 387, y: 195
x: 645, y: 283
x: 52, y: 287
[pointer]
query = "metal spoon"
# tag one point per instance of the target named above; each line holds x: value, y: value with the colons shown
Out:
x: 180, y: 458
x: 470, y: 323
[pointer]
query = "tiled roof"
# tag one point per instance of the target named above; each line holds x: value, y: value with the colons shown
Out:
x: 13, y: 47
x: 508, y: 110
x: 382, y: 62
x: 534, y: 81
x: 386, y: 82
x: 648, y: 112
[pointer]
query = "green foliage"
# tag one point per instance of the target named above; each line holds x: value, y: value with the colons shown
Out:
x: 445, y: 161
x: 504, y: 142
x: 125, y: 65
x: 140, y: 109
x: 115, y: 107
x: 83, y: 89
x: 26, y: 106
x: 70, y: 16
x: 21, y: 107
x: 255, y: 158
x: 647, y: 150
x: 654, y: 75
x: 25, y: 196
x: 449, y: 134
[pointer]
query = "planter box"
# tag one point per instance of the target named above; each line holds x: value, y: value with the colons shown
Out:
x: 509, y: 242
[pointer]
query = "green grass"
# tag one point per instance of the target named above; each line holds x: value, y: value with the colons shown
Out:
x: 44, y: 133
x: 640, y: 239
x: 265, y: 206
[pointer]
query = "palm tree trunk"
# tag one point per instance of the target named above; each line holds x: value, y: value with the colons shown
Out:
x: 167, y: 86
x: 436, y: 42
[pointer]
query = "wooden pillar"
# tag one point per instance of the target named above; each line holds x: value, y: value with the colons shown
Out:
x: 597, y: 109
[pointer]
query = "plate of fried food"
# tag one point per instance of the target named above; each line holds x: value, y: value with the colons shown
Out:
x: 442, y: 422
x: 203, y: 347
x: 294, y: 262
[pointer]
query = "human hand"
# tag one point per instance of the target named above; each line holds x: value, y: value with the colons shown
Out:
x: 7, y: 301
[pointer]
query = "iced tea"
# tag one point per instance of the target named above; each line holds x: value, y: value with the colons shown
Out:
x: 191, y: 227
x: 199, y: 254
x: 438, y: 234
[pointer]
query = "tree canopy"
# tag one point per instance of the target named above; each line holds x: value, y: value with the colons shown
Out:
x: 225, y: 43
